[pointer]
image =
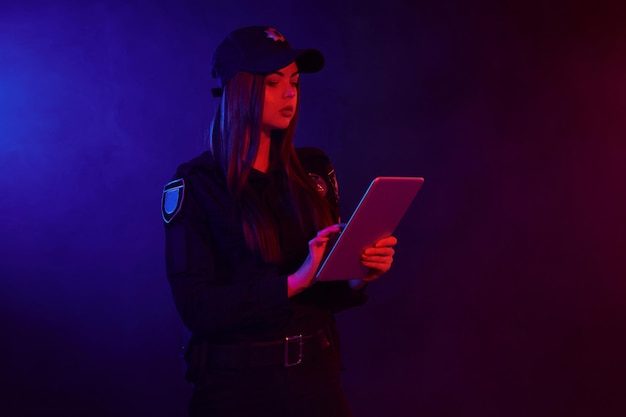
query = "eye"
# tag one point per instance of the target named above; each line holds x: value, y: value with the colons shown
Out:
x: 272, y: 83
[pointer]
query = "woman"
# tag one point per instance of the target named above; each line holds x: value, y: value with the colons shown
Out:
x: 247, y: 224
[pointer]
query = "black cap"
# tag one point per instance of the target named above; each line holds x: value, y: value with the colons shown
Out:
x: 260, y: 50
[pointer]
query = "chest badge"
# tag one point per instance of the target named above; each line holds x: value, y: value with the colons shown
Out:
x: 172, y: 199
x: 320, y: 184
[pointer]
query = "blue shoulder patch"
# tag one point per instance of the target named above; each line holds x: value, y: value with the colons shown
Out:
x: 172, y: 199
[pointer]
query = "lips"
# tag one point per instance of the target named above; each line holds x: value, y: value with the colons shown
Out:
x: 287, y: 111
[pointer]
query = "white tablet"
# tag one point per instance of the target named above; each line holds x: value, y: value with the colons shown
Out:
x: 377, y: 215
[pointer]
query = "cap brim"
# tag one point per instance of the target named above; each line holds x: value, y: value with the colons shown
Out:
x: 308, y: 60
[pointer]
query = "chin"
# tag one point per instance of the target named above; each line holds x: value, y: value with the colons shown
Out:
x: 281, y: 126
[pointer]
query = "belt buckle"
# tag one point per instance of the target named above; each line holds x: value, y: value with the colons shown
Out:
x: 288, y: 340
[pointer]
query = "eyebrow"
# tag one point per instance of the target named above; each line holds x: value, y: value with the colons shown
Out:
x: 282, y: 75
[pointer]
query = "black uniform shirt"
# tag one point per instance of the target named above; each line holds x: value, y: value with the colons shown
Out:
x: 224, y: 292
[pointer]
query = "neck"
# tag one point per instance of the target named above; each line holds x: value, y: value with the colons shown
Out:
x: 262, y: 160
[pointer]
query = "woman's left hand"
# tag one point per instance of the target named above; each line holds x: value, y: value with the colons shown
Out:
x: 378, y: 258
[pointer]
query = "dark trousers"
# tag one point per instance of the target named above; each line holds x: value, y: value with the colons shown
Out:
x: 311, y: 389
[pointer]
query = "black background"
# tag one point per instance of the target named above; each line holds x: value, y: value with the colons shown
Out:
x: 507, y: 296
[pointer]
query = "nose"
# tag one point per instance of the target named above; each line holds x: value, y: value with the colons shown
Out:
x: 290, y: 92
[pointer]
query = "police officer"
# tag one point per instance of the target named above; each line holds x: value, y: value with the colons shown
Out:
x: 247, y: 224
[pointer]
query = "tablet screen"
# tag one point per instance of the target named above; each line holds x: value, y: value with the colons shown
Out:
x: 376, y: 216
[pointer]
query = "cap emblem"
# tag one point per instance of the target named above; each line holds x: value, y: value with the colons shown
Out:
x: 274, y: 34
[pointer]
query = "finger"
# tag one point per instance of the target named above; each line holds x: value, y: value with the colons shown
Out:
x: 379, y: 269
x: 386, y: 251
x: 318, y: 241
x: 386, y: 242
x: 372, y: 276
x: 377, y: 258
x: 335, y: 228
x: 377, y: 261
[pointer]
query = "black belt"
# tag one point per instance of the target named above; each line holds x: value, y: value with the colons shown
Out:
x: 291, y: 351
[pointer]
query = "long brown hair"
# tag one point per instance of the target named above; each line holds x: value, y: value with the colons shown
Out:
x: 234, y: 142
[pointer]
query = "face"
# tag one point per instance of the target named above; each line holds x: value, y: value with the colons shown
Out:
x: 281, y: 98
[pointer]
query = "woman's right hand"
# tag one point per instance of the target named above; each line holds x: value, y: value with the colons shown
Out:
x: 304, y: 277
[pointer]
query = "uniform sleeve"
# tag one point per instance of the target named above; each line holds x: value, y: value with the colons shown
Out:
x: 335, y: 295
x: 208, y: 297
